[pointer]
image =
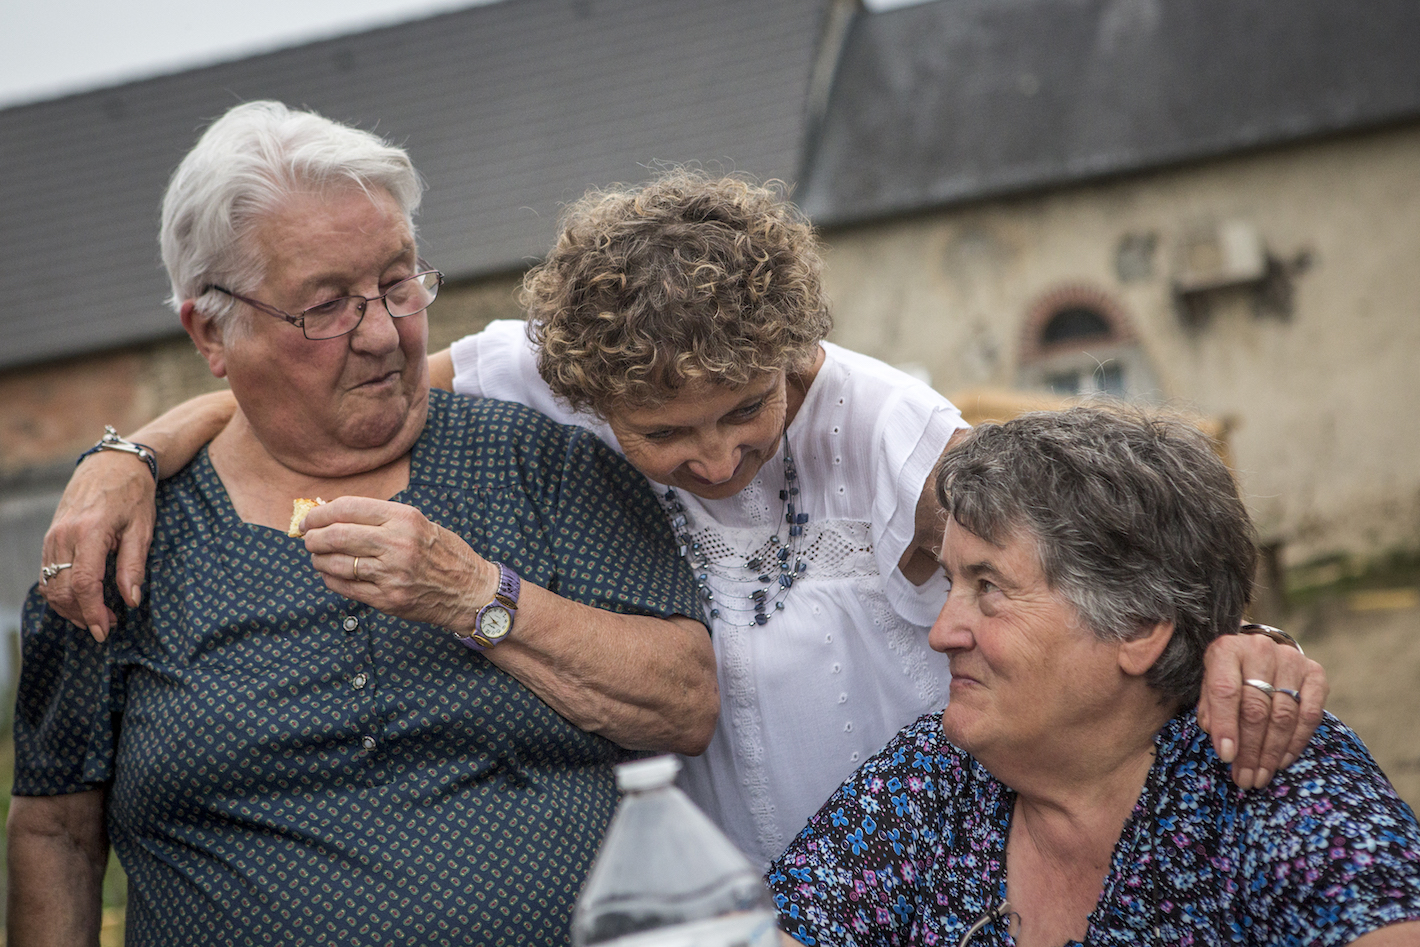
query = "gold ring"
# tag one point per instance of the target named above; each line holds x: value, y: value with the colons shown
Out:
x: 355, y: 569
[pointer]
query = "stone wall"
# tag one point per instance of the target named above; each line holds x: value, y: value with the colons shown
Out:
x: 1315, y: 363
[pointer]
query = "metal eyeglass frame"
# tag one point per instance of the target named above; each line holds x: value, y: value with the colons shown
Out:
x: 299, y: 320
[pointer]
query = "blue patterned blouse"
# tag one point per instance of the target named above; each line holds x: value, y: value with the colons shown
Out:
x: 911, y: 850
x: 285, y: 765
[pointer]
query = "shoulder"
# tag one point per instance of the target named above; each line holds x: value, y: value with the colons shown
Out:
x: 851, y: 372
x: 865, y: 403
x: 486, y: 443
x: 1336, y: 781
x: 468, y: 430
x: 505, y: 337
x: 1335, y: 790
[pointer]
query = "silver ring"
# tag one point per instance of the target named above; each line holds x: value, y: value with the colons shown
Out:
x: 1276, y: 634
x: 1263, y: 686
x: 1295, y: 695
x: 355, y: 569
x: 50, y: 571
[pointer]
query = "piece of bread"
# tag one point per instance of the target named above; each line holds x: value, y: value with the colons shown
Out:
x: 299, y: 509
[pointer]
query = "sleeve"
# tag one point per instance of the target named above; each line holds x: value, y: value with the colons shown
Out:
x: 614, y: 546
x: 501, y: 363
x: 67, y: 706
x: 1335, y: 854
x: 913, y: 428
x: 854, y: 874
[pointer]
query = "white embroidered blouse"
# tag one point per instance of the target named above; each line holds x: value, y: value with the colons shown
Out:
x: 810, y: 695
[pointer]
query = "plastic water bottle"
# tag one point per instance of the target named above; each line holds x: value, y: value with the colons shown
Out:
x: 667, y: 877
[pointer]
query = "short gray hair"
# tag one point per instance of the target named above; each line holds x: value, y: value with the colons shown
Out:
x: 246, y: 164
x: 1135, y: 518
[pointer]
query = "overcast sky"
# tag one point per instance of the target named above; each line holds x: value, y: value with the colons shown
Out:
x: 55, y: 47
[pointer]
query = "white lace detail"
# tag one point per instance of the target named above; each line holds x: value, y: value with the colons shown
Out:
x: 743, y: 704
x: 835, y: 550
x: 907, y: 642
x: 754, y: 502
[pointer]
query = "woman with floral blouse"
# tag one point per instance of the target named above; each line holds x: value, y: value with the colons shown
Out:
x: 1067, y: 795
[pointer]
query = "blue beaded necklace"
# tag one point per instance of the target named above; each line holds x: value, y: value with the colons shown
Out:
x: 774, y: 566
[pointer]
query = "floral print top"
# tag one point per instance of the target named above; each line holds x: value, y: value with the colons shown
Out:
x: 912, y: 850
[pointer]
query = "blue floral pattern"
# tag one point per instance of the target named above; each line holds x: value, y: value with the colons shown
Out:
x: 911, y: 850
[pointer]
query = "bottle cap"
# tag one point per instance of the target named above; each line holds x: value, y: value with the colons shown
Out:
x: 641, y: 775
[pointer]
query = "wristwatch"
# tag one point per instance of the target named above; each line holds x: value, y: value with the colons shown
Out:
x: 495, y: 620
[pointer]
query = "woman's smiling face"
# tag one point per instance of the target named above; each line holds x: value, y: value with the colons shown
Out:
x: 1025, y: 665
x: 709, y: 440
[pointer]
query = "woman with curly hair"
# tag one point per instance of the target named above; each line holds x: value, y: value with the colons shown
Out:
x: 684, y: 322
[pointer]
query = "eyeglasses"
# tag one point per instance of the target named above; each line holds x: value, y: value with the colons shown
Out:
x: 338, y: 317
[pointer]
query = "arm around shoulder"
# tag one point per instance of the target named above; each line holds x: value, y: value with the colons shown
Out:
x: 109, y: 505
x: 57, y: 852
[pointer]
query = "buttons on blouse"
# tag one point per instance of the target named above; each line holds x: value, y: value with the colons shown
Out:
x: 368, y: 742
x: 350, y: 623
x: 360, y: 680
x: 843, y: 697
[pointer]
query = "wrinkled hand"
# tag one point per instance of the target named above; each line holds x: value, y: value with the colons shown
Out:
x: 1256, y: 733
x: 108, y: 505
x: 409, y: 567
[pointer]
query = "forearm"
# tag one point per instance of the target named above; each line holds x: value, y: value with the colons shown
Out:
x: 179, y: 433
x: 56, y: 870
x: 441, y: 370
x: 644, y: 683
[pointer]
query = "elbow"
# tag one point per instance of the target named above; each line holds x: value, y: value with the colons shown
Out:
x: 702, y: 715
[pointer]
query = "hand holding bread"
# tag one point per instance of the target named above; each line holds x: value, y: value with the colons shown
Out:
x: 409, y: 566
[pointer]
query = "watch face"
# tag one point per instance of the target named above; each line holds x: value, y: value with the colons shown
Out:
x: 494, y: 623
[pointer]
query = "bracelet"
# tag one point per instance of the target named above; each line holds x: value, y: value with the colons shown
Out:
x: 1276, y: 634
x: 112, y: 441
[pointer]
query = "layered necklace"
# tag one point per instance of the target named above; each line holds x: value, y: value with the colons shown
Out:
x: 773, y: 567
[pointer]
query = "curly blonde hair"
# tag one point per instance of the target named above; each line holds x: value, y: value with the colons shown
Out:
x: 685, y: 277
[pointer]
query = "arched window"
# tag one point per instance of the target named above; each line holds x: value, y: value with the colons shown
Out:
x: 1075, y: 323
x: 1077, y: 341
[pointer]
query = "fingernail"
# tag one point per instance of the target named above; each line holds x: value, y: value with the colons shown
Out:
x: 1264, y: 776
x: 1245, y: 779
x: 1228, y: 751
x: 97, y: 632
x: 136, y: 596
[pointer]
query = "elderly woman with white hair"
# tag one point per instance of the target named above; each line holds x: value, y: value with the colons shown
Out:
x: 1067, y: 794
x: 399, y: 729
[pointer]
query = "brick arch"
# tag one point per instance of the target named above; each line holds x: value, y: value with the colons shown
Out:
x: 1070, y: 296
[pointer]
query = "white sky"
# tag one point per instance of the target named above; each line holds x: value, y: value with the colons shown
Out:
x: 56, y: 47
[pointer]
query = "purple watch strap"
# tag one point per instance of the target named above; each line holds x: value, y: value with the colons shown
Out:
x: 506, y: 595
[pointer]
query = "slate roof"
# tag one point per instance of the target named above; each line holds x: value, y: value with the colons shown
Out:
x: 512, y: 109
x: 965, y: 99
x: 508, y: 110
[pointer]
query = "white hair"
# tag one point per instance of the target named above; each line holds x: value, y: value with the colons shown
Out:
x: 245, y: 165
